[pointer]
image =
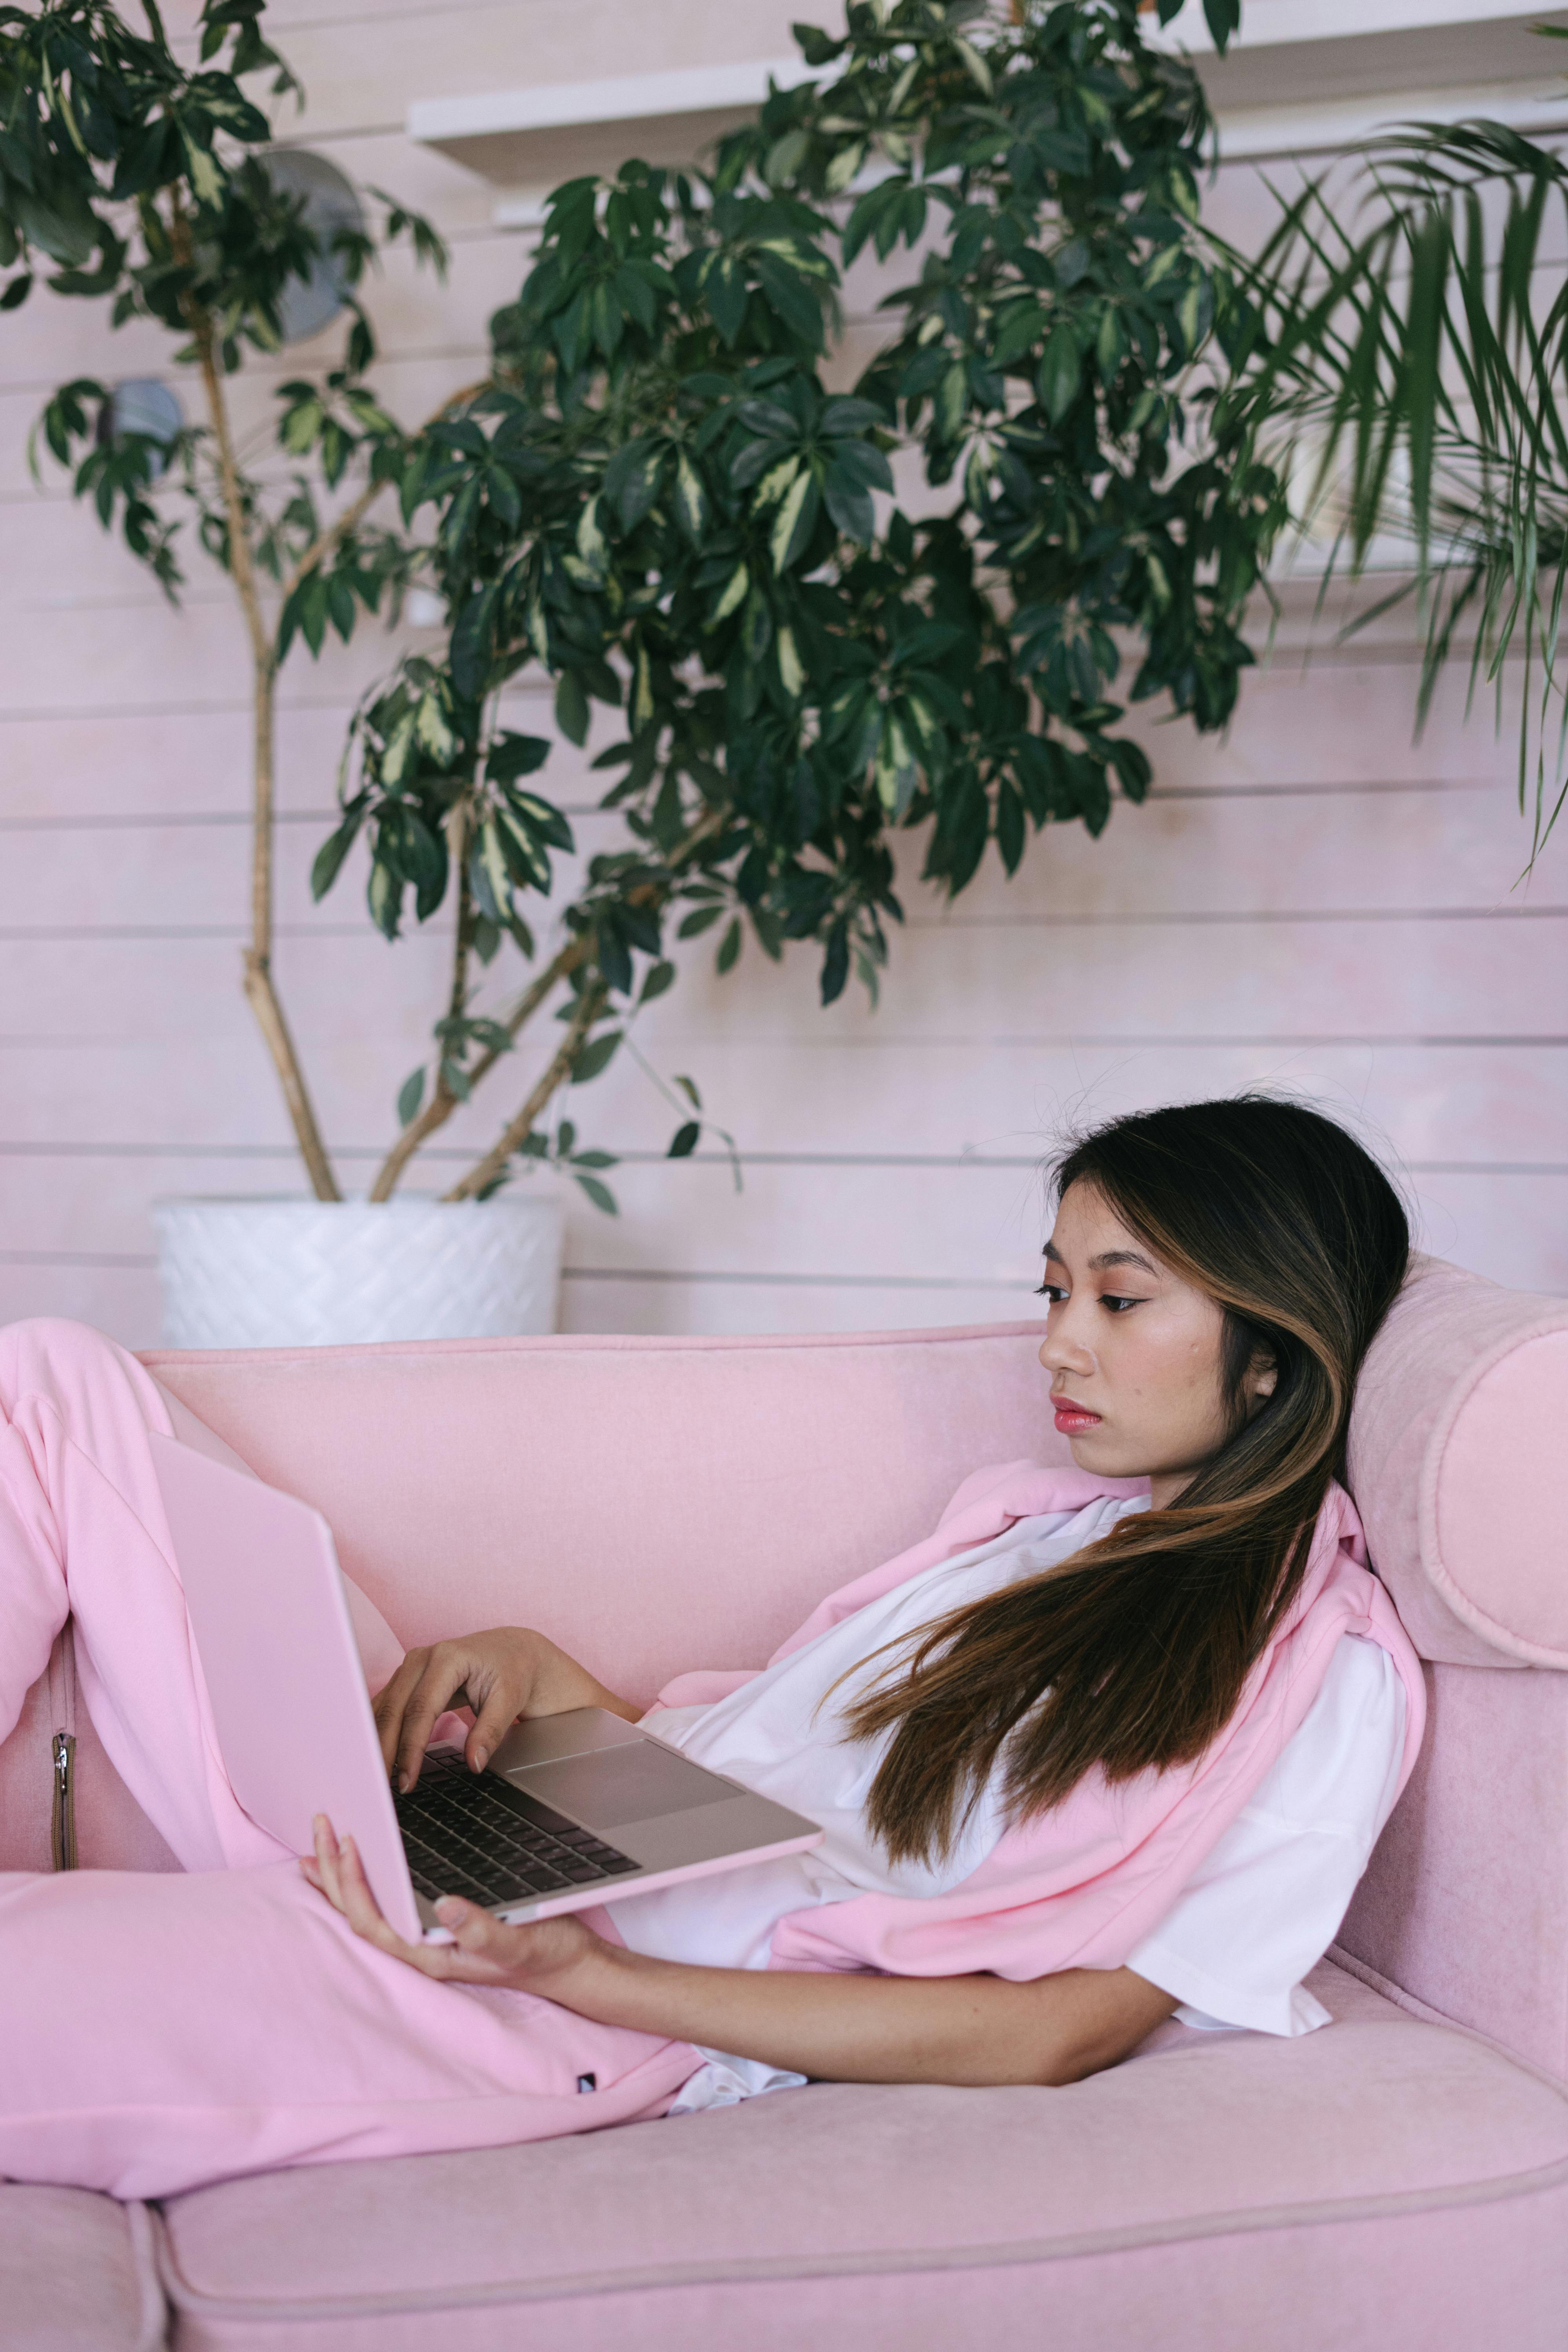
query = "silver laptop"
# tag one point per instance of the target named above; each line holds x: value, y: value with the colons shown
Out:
x: 571, y: 1809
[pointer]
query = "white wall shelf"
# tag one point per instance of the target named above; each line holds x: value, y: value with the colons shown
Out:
x: 1310, y: 76
x: 1306, y: 77
x: 527, y: 141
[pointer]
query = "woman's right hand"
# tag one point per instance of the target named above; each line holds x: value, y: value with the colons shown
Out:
x: 502, y: 1675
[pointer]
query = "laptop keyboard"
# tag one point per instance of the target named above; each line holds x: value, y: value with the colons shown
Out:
x: 472, y: 1834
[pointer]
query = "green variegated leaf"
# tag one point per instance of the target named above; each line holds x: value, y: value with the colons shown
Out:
x: 734, y: 593
x: 979, y: 72
x: 792, y: 525
x: 593, y: 548
x: 643, y: 706
x: 492, y: 857
x: 525, y: 854
x: 777, y: 484
x: 431, y: 727
x: 791, y: 669
x: 691, y: 498
x: 399, y: 750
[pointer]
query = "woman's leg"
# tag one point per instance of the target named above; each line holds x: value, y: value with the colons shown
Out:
x: 82, y: 1531
x: 162, y: 2033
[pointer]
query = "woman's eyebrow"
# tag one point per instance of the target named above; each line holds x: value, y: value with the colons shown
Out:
x: 1122, y: 1258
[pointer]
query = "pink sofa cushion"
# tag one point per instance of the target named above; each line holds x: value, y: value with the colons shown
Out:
x: 1459, y: 1466
x: 76, y: 2274
x: 1039, y: 2198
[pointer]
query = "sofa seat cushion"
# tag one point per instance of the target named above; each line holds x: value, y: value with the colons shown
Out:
x: 1385, y: 2181
x: 76, y: 2274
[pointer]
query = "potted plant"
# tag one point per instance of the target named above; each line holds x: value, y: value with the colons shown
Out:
x: 653, y: 497
x: 1405, y: 362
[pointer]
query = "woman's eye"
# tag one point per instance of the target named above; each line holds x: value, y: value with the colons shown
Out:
x: 1053, y: 1291
x: 1117, y: 1304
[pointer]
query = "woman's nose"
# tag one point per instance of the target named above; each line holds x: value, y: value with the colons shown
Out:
x: 1062, y: 1351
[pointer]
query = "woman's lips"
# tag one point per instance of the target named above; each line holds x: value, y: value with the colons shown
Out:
x: 1072, y: 1420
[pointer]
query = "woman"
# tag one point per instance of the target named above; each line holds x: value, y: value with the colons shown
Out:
x: 1114, y: 1744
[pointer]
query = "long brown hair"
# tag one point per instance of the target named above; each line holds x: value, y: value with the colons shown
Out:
x: 1131, y: 1656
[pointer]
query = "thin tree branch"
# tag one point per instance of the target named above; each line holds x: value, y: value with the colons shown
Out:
x: 555, y: 1076
x: 260, y: 991
x: 442, y: 1102
x: 354, y: 513
x: 458, y: 827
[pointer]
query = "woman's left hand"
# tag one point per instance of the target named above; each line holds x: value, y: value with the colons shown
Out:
x: 549, y: 1956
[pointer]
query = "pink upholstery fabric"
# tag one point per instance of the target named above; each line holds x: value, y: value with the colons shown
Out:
x: 1459, y: 1466
x: 1465, y: 1901
x: 1382, y: 2184
x: 649, y: 1500
x: 78, y: 2273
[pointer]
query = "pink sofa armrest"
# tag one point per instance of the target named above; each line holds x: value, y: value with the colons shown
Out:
x: 1459, y: 1470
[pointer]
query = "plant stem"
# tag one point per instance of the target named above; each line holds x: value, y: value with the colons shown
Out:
x: 555, y: 1076
x: 260, y: 988
x: 458, y: 827
x: 442, y: 1102
x: 354, y: 513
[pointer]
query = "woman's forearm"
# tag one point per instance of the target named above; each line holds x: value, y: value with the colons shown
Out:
x: 967, y: 2030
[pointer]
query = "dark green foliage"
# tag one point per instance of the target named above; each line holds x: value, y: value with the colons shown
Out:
x: 660, y: 500
x: 663, y: 500
x: 112, y: 147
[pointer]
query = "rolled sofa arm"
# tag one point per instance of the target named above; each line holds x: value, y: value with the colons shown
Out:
x: 1458, y: 1462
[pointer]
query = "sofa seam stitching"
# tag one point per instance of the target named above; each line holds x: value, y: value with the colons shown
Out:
x: 882, y: 2262
x: 156, y: 2309
x: 600, y: 1343
x: 1413, y: 2006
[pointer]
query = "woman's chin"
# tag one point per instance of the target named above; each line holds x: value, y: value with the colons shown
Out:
x: 1097, y: 1450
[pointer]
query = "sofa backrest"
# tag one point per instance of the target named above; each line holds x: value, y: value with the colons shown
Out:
x: 654, y: 1505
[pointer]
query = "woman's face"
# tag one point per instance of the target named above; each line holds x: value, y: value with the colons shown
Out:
x: 1133, y: 1351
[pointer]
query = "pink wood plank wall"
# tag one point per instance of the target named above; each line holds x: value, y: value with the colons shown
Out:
x: 1313, y: 902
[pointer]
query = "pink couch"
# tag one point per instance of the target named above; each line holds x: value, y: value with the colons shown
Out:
x: 1399, y: 2179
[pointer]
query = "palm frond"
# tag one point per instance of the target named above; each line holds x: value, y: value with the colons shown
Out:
x: 1405, y: 357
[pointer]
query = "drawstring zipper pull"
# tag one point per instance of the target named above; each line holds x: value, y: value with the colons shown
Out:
x: 63, y: 1827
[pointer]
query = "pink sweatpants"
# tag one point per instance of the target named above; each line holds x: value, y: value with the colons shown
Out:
x: 160, y: 2032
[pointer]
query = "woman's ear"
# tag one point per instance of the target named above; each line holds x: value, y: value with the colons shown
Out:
x: 1262, y: 1376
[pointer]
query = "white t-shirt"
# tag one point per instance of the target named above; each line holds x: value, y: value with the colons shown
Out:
x: 1253, y: 1919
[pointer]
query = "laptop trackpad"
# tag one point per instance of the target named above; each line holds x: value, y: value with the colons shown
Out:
x: 625, y: 1784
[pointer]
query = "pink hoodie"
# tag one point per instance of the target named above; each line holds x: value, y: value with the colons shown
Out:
x: 1083, y: 1884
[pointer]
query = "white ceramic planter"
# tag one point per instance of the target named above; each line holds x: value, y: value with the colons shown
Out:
x: 316, y: 1273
